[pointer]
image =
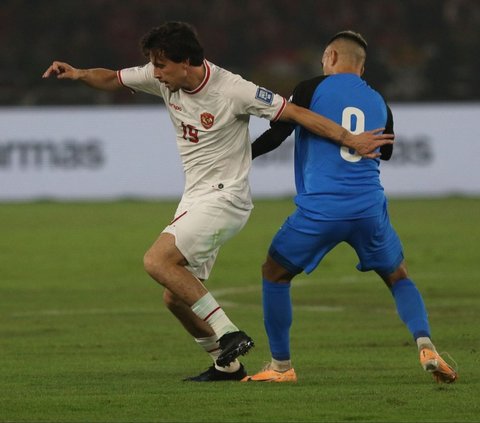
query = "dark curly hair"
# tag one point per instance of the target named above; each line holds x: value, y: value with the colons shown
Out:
x: 177, y: 41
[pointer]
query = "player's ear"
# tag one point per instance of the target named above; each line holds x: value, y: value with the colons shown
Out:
x: 334, y: 56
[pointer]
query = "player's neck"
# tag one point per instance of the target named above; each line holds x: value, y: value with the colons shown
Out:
x: 195, y: 77
x: 346, y: 69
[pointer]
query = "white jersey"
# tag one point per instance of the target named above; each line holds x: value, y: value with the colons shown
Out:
x: 211, y: 124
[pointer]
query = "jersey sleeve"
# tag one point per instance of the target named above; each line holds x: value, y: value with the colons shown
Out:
x: 246, y: 98
x: 303, y: 92
x: 387, y: 150
x: 271, y: 138
x: 280, y: 131
x: 140, y: 78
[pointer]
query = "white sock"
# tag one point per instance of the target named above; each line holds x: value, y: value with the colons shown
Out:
x: 231, y: 368
x: 210, y: 345
x: 209, y: 311
x: 425, y: 342
x: 280, y: 365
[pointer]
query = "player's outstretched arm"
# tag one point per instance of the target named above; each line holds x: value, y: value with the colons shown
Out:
x: 365, y: 143
x: 102, y: 79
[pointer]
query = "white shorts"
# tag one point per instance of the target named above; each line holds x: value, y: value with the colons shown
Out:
x: 202, y: 225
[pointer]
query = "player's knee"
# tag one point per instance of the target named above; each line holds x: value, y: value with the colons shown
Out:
x: 273, y: 272
x: 267, y: 271
x: 398, y: 274
x: 148, y: 263
x: 152, y: 265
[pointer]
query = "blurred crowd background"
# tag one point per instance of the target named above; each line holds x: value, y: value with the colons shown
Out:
x: 419, y: 50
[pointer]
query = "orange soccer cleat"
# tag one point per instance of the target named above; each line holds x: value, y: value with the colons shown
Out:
x: 432, y: 362
x: 269, y: 375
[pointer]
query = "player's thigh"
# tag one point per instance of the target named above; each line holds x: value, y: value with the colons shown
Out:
x: 201, y: 227
x: 301, y: 243
x: 377, y: 245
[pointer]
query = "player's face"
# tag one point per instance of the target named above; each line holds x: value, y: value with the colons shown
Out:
x: 172, y: 74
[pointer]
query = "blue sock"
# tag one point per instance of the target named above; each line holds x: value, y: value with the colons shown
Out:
x: 411, y: 308
x: 277, y: 317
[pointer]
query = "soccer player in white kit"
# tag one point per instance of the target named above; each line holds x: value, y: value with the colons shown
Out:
x: 209, y: 108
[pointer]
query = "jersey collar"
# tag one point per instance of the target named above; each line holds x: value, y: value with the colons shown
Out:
x: 205, y: 79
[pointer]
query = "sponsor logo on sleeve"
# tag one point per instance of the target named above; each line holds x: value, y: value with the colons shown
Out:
x: 264, y: 95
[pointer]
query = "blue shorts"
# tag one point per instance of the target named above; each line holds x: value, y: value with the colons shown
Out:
x: 301, y: 243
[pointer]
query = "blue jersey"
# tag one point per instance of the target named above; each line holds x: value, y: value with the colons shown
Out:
x: 332, y: 182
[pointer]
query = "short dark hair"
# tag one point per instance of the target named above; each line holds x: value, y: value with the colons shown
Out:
x: 352, y: 36
x: 177, y: 41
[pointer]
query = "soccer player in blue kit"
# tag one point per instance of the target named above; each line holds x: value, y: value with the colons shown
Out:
x: 339, y: 199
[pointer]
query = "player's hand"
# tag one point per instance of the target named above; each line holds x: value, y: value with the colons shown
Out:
x: 61, y: 70
x: 367, y: 142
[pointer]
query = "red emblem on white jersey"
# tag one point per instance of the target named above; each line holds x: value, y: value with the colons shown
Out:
x: 207, y: 120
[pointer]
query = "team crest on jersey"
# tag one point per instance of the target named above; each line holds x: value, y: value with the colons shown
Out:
x: 264, y: 95
x: 207, y: 120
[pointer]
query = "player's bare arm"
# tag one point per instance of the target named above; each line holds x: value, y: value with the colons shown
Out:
x: 364, y: 144
x: 99, y: 78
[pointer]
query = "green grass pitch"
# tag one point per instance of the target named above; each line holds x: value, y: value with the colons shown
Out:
x: 84, y: 336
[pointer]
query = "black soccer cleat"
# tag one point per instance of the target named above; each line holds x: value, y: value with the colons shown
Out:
x: 233, y: 345
x: 214, y: 375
